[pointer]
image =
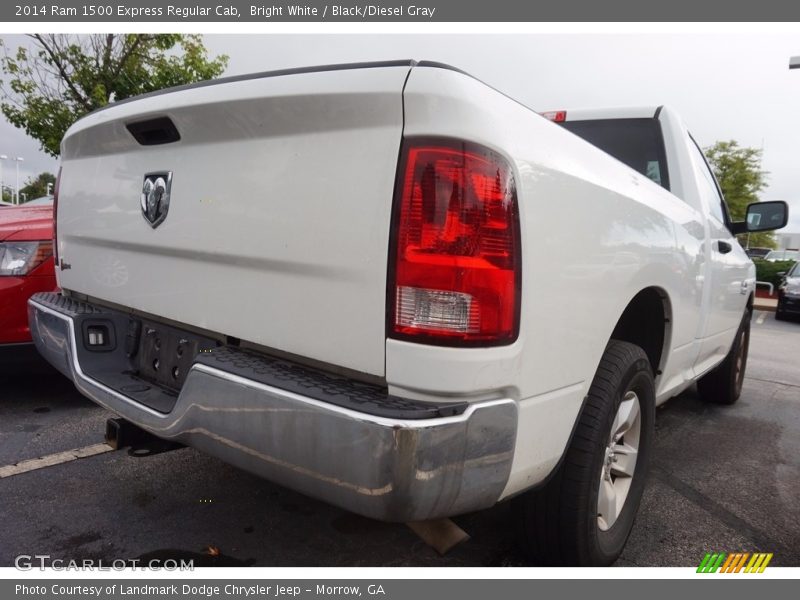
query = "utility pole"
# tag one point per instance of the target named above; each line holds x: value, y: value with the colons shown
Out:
x: 2, y: 158
x: 17, y: 159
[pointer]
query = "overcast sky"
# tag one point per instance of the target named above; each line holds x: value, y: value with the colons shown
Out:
x: 726, y: 86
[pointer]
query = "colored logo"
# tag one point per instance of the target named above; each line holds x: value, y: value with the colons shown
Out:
x: 735, y: 562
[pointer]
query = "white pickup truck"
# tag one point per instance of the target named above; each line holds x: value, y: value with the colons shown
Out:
x: 393, y: 288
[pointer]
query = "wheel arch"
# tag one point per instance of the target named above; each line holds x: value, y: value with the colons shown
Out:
x: 647, y: 322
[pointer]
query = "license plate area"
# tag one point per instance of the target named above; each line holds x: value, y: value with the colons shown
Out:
x: 165, y: 354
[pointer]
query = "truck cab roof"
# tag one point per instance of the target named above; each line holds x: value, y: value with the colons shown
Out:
x: 619, y: 112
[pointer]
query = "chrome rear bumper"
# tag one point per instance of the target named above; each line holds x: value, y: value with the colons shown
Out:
x: 391, y: 469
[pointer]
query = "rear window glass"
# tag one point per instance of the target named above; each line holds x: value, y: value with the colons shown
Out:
x: 636, y: 142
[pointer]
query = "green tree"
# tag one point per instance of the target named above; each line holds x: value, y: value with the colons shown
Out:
x: 63, y: 77
x: 36, y: 187
x: 738, y: 171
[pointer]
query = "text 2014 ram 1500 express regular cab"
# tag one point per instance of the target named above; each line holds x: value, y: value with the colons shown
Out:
x: 393, y: 288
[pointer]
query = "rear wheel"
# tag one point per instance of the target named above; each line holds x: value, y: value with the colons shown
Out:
x: 723, y: 385
x: 584, y: 514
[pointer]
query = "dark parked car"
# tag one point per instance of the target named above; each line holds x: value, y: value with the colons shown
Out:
x: 789, y: 294
x: 757, y: 252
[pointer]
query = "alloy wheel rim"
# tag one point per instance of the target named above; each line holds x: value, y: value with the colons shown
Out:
x: 619, y: 461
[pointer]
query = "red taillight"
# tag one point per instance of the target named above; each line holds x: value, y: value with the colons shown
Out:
x: 55, y: 218
x: 456, y: 259
x: 559, y: 116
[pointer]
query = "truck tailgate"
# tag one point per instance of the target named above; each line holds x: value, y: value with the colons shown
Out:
x: 277, y: 229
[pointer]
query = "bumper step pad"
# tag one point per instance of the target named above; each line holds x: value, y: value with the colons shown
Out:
x: 316, y: 384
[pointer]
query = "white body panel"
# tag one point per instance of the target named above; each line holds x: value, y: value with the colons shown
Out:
x: 301, y: 267
x: 595, y: 233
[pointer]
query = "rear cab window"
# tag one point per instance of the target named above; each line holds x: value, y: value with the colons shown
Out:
x: 637, y: 142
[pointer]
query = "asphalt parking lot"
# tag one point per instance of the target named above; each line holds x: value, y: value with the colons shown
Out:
x: 724, y: 478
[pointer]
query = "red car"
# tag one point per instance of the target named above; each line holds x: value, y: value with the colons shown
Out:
x: 26, y: 267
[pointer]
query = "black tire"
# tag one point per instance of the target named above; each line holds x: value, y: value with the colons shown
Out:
x: 560, y: 524
x: 779, y: 314
x: 723, y: 385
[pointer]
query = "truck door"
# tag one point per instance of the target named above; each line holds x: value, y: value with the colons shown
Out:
x: 727, y: 271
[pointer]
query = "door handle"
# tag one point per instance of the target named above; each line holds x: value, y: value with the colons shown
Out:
x: 723, y: 247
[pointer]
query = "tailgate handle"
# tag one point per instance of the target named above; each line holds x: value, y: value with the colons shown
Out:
x: 153, y: 132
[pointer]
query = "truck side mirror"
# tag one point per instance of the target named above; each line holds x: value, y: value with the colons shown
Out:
x: 764, y: 216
